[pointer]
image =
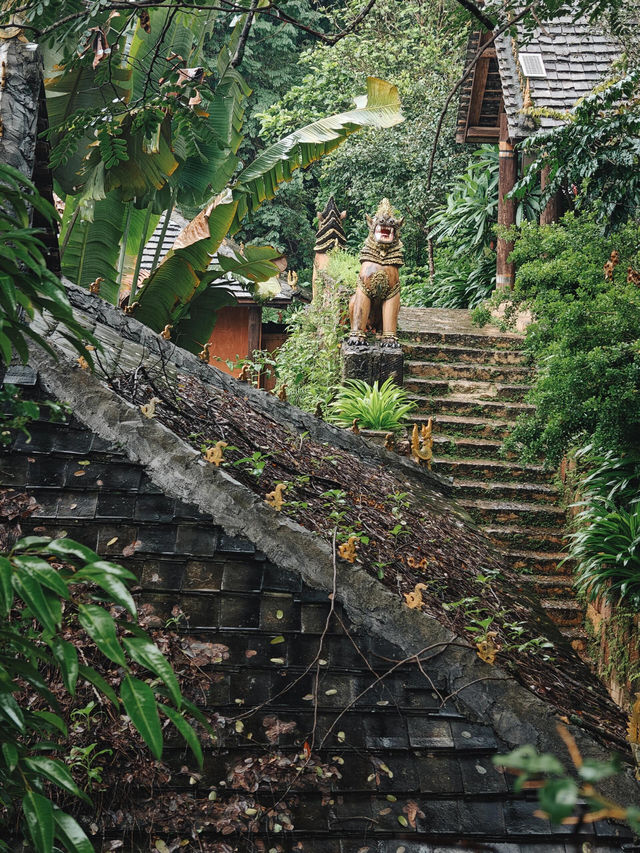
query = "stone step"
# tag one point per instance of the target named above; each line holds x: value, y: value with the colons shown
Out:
x: 556, y: 588
x: 513, y: 512
x: 577, y: 636
x: 509, y: 537
x: 452, y: 326
x: 567, y: 614
x: 505, y: 373
x: 467, y: 353
x: 479, y: 389
x: 492, y: 469
x: 457, y: 426
x: 540, y: 563
x: 451, y: 447
x: 465, y: 404
x: 540, y: 493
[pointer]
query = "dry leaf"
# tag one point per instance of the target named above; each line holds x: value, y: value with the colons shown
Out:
x: 112, y: 541
x: 129, y: 550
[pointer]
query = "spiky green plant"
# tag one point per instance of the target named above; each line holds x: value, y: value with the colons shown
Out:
x: 373, y: 407
x: 607, y: 550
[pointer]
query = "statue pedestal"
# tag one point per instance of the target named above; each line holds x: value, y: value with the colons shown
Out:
x: 372, y: 363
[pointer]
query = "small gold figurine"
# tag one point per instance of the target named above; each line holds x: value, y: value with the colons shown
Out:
x: 149, y: 411
x: 422, y: 443
x: 215, y: 454
x: 274, y: 498
x: 94, y: 287
x: 414, y: 599
x: 131, y: 308
x: 166, y: 332
x: 355, y: 429
x: 244, y: 374
x: 203, y: 355
x: 348, y: 549
x: 82, y: 361
x: 389, y: 441
x: 282, y: 393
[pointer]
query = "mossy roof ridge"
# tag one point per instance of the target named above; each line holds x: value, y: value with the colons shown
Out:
x: 335, y: 480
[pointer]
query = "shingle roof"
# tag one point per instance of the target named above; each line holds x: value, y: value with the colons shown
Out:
x: 577, y: 55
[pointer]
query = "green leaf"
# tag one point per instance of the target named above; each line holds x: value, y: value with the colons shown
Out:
x: 66, y: 656
x: 10, y: 754
x: 558, y: 798
x: 253, y: 262
x: 147, y: 654
x: 93, y: 677
x: 107, y: 567
x: 527, y: 758
x: 45, y: 607
x: 379, y: 108
x: 56, y: 772
x: 592, y: 770
x: 69, y: 832
x: 101, y: 628
x: 176, y: 280
x: 193, y: 330
x: 52, y: 720
x: 140, y: 705
x: 6, y: 592
x: 185, y: 730
x: 43, y: 573
x: 72, y: 551
x: 116, y: 590
x: 38, y: 815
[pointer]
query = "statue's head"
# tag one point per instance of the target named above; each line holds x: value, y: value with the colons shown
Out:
x: 385, y: 226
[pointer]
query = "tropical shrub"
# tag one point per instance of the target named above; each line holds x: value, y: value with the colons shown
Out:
x: 382, y: 407
x: 584, y: 338
x: 606, y: 541
x: 309, y: 360
x: 45, y: 585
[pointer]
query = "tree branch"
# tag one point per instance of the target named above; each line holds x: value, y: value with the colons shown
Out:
x: 244, y: 35
x: 477, y: 13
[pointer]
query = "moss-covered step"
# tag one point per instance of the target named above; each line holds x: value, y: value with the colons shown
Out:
x: 513, y: 512
x: 492, y: 469
x: 465, y: 354
x: 452, y: 326
x: 540, y: 563
x: 521, y: 537
x: 465, y: 404
x: 470, y: 371
x: 492, y: 490
x: 450, y: 447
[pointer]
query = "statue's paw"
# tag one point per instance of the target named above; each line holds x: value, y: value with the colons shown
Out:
x: 389, y: 342
x: 357, y: 341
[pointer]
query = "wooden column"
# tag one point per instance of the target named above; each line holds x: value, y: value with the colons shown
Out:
x: 255, y: 329
x: 552, y: 211
x: 505, y: 271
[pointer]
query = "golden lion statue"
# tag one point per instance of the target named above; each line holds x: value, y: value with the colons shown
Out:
x: 376, y: 301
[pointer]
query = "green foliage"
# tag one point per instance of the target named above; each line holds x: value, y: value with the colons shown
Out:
x: 418, y: 47
x: 36, y: 578
x: 584, y: 338
x: 27, y: 287
x: 17, y: 414
x: 606, y: 540
x: 309, y: 360
x: 597, y: 152
x: 559, y: 793
x: 463, y: 233
x: 383, y: 408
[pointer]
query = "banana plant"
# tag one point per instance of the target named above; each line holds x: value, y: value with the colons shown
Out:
x: 169, y: 138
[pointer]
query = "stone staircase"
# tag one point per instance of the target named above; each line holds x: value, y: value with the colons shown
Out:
x: 472, y: 381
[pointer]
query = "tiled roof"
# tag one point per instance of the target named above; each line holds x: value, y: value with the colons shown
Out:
x: 576, y: 55
x: 403, y: 752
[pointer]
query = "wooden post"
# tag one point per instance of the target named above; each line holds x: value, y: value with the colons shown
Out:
x: 255, y: 329
x: 552, y: 211
x: 505, y: 271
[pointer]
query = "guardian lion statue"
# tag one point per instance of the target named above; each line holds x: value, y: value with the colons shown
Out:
x: 376, y: 301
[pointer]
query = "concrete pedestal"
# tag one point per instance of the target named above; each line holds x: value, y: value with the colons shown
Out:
x: 372, y: 363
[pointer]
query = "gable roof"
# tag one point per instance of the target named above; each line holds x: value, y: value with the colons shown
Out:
x: 184, y: 510
x: 577, y: 56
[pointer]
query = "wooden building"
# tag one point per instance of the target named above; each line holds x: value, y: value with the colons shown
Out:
x: 552, y: 69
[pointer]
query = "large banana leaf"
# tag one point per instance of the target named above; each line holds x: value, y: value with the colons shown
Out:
x: 176, y: 280
x: 92, y: 249
x: 379, y: 108
x: 253, y: 263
